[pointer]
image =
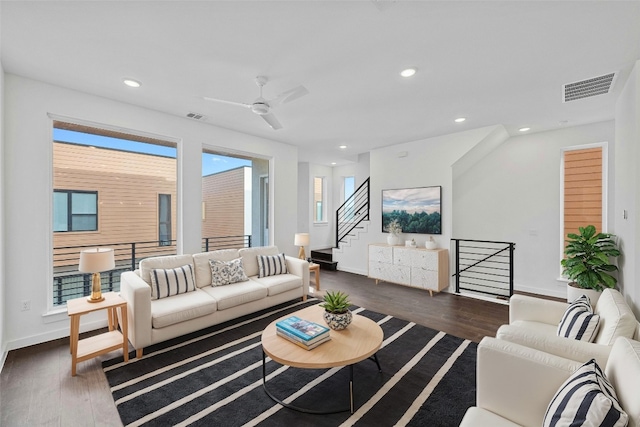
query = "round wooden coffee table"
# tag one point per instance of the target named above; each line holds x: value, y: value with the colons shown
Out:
x: 361, y: 340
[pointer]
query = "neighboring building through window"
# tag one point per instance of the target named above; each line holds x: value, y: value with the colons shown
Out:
x: 75, y: 210
x: 584, y: 189
x: 319, y: 199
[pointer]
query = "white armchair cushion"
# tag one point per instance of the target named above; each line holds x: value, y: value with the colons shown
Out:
x: 586, y: 398
x: 623, y: 370
x: 616, y: 317
x: 579, y: 322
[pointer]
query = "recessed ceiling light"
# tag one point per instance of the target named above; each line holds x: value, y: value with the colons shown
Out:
x: 460, y: 119
x: 408, y: 72
x: 333, y: 163
x: 524, y: 129
x: 132, y: 83
x: 342, y: 147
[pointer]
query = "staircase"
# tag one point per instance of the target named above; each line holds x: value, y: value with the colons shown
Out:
x: 324, y: 257
x: 351, y: 215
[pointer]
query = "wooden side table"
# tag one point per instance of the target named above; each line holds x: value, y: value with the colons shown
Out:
x: 91, y: 347
x: 315, y: 268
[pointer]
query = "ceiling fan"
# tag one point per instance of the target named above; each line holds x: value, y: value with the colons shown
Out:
x: 263, y: 107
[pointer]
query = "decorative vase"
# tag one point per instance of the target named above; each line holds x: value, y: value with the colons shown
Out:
x: 338, y: 321
x: 574, y: 292
x: 392, y: 239
x: 430, y: 244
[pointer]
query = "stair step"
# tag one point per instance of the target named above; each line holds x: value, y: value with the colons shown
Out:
x: 323, y: 254
x: 326, y: 265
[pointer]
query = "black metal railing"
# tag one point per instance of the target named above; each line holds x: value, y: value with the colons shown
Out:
x: 484, y: 267
x: 68, y: 283
x: 352, y: 212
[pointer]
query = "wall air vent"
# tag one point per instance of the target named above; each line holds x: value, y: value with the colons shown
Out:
x: 195, y: 116
x: 586, y: 88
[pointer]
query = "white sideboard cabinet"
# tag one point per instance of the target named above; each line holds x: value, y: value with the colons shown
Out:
x: 417, y: 267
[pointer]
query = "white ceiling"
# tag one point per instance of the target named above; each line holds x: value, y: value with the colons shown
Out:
x: 492, y: 62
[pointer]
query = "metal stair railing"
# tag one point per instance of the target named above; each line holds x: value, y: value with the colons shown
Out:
x: 352, y: 212
x: 484, y: 267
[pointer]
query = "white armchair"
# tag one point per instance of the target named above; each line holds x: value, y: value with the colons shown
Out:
x: 533, y: 322
x: 515, y: 384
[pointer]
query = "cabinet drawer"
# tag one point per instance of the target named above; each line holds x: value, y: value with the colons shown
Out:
x: 390, y: 273
x: 380, y: 253
x: 423, y: 278
x: 403, y: 256
x: 425, y: 259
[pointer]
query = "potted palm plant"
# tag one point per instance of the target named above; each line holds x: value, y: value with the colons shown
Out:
x: 588, y: 263
x: 336, y: 310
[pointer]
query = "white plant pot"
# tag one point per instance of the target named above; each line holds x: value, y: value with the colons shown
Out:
x: 393, y: 240
x: 574, y: 292
x: 430, y: 244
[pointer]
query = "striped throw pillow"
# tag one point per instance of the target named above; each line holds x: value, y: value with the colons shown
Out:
x: 579, y: 322
x: 174, y: 281
x: 586, y: 399
x: 270, y: 265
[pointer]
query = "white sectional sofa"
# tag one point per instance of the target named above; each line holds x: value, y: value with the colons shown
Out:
x: 156, y: 320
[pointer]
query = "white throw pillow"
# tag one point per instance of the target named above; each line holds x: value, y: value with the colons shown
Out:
x: 586, y: 398
x: 173, y: 281
x: 227, y: 272
x: 579, y: 322
x: 270, y: 265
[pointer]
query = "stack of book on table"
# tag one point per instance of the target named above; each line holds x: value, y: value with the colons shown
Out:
x: 306, y: 334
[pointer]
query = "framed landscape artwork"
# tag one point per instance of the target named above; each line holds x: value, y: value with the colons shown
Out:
x: 416, y: 209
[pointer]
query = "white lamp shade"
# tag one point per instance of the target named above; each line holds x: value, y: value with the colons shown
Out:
x: 96, y: 260
x: 301, y: 239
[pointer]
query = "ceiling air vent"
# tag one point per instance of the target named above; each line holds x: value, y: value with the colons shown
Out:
x: 586, y: 88
x: 195, y: 116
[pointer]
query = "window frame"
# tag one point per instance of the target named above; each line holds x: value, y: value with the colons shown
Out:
x: 70, y: 214
x: 605, y: 185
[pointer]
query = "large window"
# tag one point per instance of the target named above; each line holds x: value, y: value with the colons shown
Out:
x: 584, y: 189
x: 349, y: 186
x: 319, y: 208
x: 75, y: 210
x: 110, y: 189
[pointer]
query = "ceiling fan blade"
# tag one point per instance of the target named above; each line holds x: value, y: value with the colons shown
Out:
x: 222, y: 101
x: 271, y: 121
x: 289, y: 95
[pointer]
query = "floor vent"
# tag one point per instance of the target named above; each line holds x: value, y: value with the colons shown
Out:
x: 195, y: 116
x: 587, y: 88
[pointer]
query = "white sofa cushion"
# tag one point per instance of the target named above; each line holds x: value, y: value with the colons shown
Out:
x: 616, y: 318
x: 478, y: 417
x: 250, y: 257
x: 172, y: 281
x: 169, y: 261
x: 585, y: 398
x: 180, y: 308
x: 236, y: 293
x: 278, y: 284
x: 202, y: 267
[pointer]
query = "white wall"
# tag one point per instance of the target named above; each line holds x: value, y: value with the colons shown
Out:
x: 627, y: 158
x: 427, y: 162
x: 28, y: 189
x: 513, y: 195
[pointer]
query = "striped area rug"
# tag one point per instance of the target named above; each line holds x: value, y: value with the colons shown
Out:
x: 214, y: 378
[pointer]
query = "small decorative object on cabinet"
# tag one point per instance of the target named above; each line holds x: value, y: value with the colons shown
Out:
x: 416, y: 267
x: 336, y: 310
x: 394, y: 230
x: 430, y: 243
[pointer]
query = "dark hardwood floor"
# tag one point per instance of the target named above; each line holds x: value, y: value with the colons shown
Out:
x: 36, y: 387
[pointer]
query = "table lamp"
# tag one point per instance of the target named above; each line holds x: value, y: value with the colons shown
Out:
x: 302, y: 240
x: 95, y: 261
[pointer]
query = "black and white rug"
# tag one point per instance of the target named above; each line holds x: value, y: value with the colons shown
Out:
x: 214, y: 378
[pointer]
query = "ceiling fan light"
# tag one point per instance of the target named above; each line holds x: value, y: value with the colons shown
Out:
x: 260, y: 108
x: 460, y: 119
x: 524, y: 129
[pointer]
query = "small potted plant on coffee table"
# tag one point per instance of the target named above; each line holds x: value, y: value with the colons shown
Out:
x: 336, y: 310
